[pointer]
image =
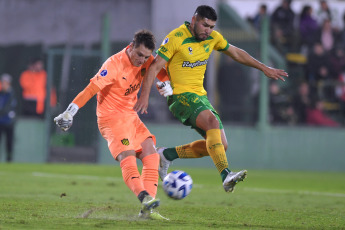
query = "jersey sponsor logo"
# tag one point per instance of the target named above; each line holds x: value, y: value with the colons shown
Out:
x: 125, y: 141
x: 163, y: 49
x: 207, y: 48
x: 190, y: 50
x: 194, y: 64
x: 165, y: 41
x: 132, y: 88
x: 104, y: 73
x: 178, y: 34
x: 183, y: 100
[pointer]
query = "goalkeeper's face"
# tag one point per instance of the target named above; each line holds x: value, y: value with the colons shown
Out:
x: 138, y: 55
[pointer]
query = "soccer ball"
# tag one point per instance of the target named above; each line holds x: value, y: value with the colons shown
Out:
x: 177, y: 184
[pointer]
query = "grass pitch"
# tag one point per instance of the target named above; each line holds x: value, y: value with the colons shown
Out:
x: 69, y: 196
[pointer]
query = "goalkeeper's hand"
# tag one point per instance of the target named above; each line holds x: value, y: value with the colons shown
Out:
x: 164, y: 88
x: 65, y: 119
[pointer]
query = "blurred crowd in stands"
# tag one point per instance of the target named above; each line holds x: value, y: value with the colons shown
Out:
x: 313, y: 43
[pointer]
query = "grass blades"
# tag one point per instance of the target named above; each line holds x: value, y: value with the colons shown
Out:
x: 76, y: 196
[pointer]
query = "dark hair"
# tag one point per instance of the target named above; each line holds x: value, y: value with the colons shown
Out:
x: 263, y: 6
x: 305, y: 10
x: 34, y: 60
x: 204, y: 11
x: 146, y: 38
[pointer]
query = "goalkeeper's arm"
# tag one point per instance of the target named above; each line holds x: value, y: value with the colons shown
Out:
x: 163, y: 85
x: 65, y: 119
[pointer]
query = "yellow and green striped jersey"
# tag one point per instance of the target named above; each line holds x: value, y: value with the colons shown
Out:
x: 187, y: 58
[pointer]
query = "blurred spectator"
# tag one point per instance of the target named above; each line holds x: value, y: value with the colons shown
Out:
x: 327, y: 36
x: 326, y: 13
x: 342, y: 33
x: 257, y: 19
x: 33, y: 83
x: 281, y: 111
x: 233, y: 85
x: 317, y: 117
x: 337, y: 61
x: 318, y: 64
x: 8, y: 105
x: 308, y: 27
x: 340, y: 92
x: 283, y: 35
x: 300, y: 102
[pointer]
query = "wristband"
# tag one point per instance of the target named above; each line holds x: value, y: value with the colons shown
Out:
x: 72, y: 109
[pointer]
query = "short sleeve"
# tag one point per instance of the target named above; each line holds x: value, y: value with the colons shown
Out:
x: 221, y: 44
x: 106, y: 75
x: 169, y: 47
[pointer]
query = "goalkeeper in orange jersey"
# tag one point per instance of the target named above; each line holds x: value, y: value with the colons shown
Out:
x: 185, y: 52
x: 117, y: 84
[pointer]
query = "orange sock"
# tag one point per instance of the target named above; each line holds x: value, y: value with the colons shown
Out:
x: 131, y: 175
x: 195, y: 149
x: 150, y: 173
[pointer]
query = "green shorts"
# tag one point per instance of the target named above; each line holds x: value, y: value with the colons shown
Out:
x: 187, y: 106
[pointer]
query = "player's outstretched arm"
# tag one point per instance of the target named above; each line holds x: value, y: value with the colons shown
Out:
x: 143, y: 101
x: 243, y: 57
x: 65, y: 119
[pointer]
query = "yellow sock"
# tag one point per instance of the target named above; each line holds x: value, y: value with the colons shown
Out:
x: 195, y: 149
x: 216, y: 149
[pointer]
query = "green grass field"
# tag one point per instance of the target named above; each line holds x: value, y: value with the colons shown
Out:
x: 74, y: 196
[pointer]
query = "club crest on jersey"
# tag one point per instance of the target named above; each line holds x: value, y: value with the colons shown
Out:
x: 207, y: 48
x: 104, y: 73
x: 165, y: 41
x: 125, y: 141
x: 190, y: 50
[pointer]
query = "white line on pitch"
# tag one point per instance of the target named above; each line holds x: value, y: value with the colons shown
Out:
x: 70, y: 176
x: 86, y: 177
x: 298, y: 192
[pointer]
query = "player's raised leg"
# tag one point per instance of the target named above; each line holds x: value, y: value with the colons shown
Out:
x: 195, y: 149
x: 206, y: 120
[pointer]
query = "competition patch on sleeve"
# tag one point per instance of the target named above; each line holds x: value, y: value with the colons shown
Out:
x: 104, y: 73
x: 165, y: 41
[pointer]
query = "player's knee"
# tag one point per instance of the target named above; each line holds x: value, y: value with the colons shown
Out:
x: 225, y: 146
x: 212, y: 122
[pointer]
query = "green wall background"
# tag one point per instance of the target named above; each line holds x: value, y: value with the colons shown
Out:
x: 286, y: 148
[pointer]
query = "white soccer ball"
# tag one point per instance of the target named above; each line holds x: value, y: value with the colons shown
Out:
x: 177, y: 184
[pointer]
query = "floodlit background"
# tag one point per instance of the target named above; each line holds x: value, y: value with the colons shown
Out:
x: 262, y: 119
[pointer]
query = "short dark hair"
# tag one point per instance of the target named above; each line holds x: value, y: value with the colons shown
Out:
x: 205, y: 11
x: 34, y: 60
x: 146, y: 38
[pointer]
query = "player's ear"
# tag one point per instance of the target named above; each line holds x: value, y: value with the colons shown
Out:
x: 131, y: 46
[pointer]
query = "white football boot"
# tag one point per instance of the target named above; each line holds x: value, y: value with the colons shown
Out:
x: 163, y: 163
x: 232, y: 179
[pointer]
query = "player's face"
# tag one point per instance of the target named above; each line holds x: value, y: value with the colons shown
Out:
x: 202, y: 28
x: 138, y: 55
